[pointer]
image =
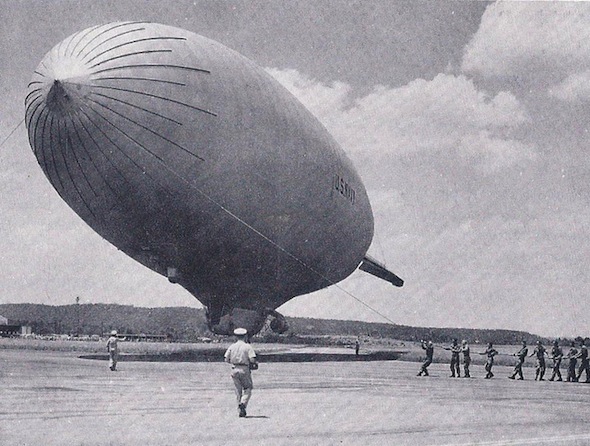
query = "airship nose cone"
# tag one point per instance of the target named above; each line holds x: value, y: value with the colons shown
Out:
x: 64, y: 83
x: 61, y: 97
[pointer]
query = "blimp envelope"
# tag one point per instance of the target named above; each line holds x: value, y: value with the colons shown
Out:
x: 195, y: 162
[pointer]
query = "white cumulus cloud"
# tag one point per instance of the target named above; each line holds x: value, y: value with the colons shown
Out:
x: 447, y: 113
x: 530, y: 38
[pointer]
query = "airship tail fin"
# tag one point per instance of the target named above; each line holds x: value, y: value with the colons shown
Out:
x: 375, y: 268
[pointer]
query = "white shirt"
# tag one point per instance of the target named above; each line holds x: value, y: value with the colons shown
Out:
x: 240, y: 353
x: 112, y: 344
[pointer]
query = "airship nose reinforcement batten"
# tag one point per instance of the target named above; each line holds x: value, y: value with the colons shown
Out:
x: 195, y: 162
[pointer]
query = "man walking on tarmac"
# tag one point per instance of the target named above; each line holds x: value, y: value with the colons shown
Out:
x: 429, y: 353
x: 455, y: 351
x: 584, y: 365
x: 490, y: 353
x: 113, y: 350
x: 242, y: 358
x: 522, y: 354
x: 556, y: 355
x: 466, y: 357
x: 572, y: 355
x: 539, y: 353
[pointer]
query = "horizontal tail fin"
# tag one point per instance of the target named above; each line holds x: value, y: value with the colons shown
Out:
x: 375, y: 268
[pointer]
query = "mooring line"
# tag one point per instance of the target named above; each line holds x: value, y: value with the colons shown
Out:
x: 13, y: 130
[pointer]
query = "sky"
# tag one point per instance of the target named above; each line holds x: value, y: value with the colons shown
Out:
x: 468, y: 122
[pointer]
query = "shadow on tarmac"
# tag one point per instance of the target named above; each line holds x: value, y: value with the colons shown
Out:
x: 216, y: 355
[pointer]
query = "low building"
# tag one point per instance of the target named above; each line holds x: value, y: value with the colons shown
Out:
x: 8, y: 330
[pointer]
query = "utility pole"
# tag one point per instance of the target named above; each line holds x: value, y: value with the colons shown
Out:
x: 78, y: 315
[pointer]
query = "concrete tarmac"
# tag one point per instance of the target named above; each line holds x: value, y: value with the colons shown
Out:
x: 55, y: 398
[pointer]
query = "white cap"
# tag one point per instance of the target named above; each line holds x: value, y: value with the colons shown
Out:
x: 114, y: 332
x: 240, y: 331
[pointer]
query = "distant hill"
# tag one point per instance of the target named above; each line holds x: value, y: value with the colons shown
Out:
x: 179, y: 323
x: 317, y: 327
x: 188, y: 324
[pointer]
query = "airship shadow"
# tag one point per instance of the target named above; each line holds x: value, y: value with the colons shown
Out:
x: 216, y: 355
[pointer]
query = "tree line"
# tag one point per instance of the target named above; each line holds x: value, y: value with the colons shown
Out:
x: 189, y: 324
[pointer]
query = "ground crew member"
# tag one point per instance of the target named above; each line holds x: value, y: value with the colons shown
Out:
x: 113, y: 349
x: 556, y: 355
x: 539, y: 353
x: 584, y: 365
x: 522, y: 354
x: 455, y: 350
x: 490, y: 353
x: 357, y: 346
x: 242, y: 358
x: 429, y: 354
x: 572, y: 355
x: 466, y: 357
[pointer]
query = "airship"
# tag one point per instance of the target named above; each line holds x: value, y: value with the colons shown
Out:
x: 195, y: 162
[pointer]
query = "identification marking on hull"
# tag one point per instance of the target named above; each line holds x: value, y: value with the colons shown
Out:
x: 345, y: 189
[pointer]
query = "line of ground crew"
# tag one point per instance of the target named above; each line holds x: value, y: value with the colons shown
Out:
x: 556, y: 354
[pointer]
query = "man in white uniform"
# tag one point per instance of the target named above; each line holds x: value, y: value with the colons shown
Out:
x: 113, y: 349
x: 242, y: 358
